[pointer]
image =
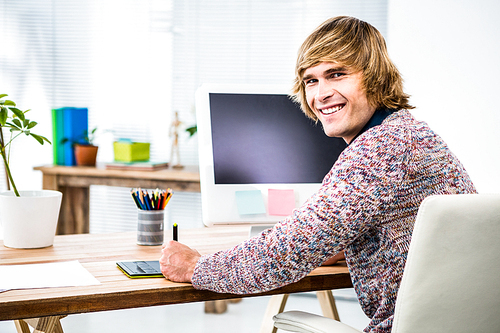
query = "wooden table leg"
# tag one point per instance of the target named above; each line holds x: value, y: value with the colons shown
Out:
x: 219, y: 306
x: 41, y: 325
x: 276, y: 305
x: 74, y: 214
x: 75, y: 206
x: 21, y: 326
x: 327, y: 303
x: 49, y: 182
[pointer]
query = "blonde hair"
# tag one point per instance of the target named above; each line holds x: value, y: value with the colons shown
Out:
x: 356, y: 44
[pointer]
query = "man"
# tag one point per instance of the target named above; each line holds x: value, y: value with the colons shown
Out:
x: 367, y: 204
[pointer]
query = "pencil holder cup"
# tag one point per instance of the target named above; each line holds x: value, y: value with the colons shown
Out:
x: 150, y: 227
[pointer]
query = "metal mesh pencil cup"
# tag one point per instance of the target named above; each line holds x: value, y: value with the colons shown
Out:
x: 150, y: 227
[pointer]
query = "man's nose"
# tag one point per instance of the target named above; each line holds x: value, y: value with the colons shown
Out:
x: 325, y: 91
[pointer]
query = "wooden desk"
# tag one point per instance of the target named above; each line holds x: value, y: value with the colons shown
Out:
x: 74, y: 183
x: 98, y: 253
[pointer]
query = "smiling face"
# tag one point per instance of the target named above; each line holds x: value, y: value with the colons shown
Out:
x: 336, y: 96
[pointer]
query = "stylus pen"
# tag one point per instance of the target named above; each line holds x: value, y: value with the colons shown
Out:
x: 174, y: 230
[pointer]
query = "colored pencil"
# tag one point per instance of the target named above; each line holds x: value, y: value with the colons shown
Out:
x: 154, y: 200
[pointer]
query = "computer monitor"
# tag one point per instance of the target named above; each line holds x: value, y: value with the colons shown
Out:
x: 258, y: 154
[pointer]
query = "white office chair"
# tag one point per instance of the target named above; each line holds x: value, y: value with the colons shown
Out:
x: 451, y: 281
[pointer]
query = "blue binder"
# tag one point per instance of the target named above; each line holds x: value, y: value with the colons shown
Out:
x: 71, y: 124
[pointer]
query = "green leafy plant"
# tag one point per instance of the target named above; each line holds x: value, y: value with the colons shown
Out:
x: 15, y: 120
x: 86, y: 138
x: 89, y: 137
x: 192, y: 130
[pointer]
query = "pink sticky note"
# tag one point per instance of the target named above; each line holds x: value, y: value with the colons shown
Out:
x: 280, y: 202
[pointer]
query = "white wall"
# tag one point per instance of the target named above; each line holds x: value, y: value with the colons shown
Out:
x: 449, y: 52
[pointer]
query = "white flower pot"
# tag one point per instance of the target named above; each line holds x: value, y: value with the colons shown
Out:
x: 29, y: 221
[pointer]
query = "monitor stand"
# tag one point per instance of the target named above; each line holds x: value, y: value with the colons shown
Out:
x: 257, y: 229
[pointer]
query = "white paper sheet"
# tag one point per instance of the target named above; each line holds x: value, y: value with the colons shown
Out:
x: 48, y: 275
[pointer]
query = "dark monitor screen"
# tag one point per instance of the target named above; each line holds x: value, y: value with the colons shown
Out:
x: 267, y: 139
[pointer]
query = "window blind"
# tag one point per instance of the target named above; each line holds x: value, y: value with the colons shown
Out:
x: 134, y: 63
x: 248, y: 42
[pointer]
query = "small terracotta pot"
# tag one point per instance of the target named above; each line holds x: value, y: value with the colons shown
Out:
x: 85, y: 154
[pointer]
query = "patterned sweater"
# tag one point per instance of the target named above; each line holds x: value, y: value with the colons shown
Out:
x: 366, y: 206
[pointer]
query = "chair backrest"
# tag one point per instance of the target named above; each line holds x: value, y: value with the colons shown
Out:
x: 451, y: 281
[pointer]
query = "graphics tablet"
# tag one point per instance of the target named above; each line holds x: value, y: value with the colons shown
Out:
x: 140, y: 269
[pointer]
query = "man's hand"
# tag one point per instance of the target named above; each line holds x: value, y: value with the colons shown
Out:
x: 177, y: 261
x: 334, y: 259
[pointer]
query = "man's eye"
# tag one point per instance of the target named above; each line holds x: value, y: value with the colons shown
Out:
x: 337, y: 75
x: 310, y: 81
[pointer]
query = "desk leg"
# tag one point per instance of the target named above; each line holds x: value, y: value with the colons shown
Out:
x: 327, y: 303
x: 74, y: 214
x: 21, y: 326
x: 276, y: 305
x: 219, y: 306
x: 41, y: 325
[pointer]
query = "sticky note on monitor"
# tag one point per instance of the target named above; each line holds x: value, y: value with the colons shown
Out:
x: 250, y: 202
x: 281, y: 202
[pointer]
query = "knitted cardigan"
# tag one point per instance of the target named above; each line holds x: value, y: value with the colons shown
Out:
x: 366, y: 206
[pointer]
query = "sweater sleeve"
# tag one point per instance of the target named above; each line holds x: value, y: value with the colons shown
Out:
x: 346, y: 206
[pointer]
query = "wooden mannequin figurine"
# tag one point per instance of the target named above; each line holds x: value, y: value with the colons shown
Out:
x: 174, y: 132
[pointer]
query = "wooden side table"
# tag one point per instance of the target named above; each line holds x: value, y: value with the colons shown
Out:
x: 74, y: 182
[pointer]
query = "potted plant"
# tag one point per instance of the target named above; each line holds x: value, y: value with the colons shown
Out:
x: 84, y: 148
x: 28, y: 218
x: 86, y: 153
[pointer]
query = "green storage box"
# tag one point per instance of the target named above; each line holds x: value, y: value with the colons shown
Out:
x: 131, y: 151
